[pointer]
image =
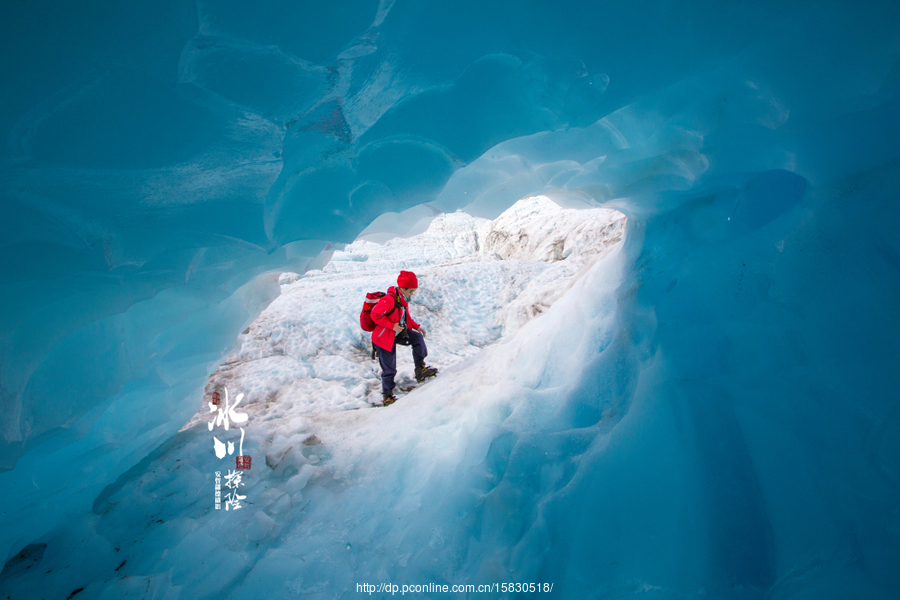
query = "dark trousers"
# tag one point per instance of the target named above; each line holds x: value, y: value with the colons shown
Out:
x: 388, y: 359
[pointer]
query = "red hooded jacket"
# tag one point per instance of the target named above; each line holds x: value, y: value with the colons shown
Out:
x: 384, y: 316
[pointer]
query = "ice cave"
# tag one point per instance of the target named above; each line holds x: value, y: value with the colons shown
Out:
x: 657, y: 262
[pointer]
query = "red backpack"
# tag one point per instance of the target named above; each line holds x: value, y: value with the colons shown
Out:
x: 365, y: 316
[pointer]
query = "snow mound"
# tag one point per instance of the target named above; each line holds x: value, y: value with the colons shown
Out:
x: 538, y: 229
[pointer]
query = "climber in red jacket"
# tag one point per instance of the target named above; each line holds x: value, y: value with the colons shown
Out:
x: 394, y: 325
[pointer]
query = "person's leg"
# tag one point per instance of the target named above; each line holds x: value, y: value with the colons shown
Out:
x: 388, y: 361
x: 419, y: 351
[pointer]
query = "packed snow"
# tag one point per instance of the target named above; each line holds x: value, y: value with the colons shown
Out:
x: 479, y: 280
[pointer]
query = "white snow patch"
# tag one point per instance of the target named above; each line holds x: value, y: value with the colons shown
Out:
x: 479, y: 280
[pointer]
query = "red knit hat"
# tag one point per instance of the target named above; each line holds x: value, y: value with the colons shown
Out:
x: 407, y: 279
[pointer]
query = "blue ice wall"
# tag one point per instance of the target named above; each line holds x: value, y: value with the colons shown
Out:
x: 163, y: 161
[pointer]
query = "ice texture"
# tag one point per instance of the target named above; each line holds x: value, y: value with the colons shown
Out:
x: 708, y: 411
x: 306, y: 352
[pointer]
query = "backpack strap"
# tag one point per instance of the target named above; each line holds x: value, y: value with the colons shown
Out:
x: 396, y: 303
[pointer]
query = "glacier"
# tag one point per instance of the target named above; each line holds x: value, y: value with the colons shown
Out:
x: 707, y: 411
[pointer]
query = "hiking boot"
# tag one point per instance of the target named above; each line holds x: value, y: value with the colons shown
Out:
x: 423, y: 372
x: 388, y: 398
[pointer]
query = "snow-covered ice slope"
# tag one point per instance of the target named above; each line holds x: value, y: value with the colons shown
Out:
x: 329, y: 481
x: 307, y: 353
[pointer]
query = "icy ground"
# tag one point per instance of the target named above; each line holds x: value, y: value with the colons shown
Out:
x: 478, y: 281
x: 336, y: 496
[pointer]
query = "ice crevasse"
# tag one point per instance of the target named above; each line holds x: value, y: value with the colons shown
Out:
x: 709, y: 411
